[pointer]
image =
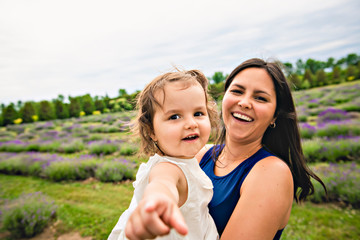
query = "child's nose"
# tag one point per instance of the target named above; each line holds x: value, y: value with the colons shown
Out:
x: 191, y: 123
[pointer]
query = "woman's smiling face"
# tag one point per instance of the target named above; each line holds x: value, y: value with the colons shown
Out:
x: 249, y: 105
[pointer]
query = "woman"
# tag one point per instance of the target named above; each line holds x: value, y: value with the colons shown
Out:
x: 257, y: 165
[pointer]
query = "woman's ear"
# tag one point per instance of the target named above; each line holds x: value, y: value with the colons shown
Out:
x: 273, y: 121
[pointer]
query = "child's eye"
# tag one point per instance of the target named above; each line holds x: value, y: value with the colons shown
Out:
x: 198, y: 114
x: 174, y: 117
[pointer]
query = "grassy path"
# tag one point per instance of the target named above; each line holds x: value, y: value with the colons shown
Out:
x: 93, y: 208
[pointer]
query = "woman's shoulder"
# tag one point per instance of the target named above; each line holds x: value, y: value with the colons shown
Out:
x: 202, y: 152
x: 271, y: 171
x: 273, y: 165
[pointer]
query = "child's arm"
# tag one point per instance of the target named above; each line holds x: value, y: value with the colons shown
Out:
x: 158, y: 210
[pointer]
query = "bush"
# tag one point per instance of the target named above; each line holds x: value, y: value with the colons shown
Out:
x: 332, y: 114
x: 50, y: 166
x: 44, y: 125
x: 104, y: 129
x: 342, y: 182
x: 127, y: 149
x: 16, y: 128
x: 49, y: 146
x: 341, y: 149
x: 302, y: 118
x: 351, y: 107
x: 14, y: 165
x: 114, y: 171
x: 76, y: 145
x: 66, y: 170
x: 13, y: 146
x: 307, y: 131
x: 33, y: 147
x: 337, y: 128
x: 103, y: 147
x: 24, y: 164
x: 28, y: 215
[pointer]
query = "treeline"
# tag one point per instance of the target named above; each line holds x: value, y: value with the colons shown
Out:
x: 306, y: 74
x: 314, y: 73
x: 301, y: 75
x: 59, y: 109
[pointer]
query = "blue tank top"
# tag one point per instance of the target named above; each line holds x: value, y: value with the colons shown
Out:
x: 227, y: 188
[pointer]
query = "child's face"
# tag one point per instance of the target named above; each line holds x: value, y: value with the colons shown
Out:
x: 181, y: 126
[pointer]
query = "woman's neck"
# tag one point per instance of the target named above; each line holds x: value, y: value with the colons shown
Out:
x: 239, y: 151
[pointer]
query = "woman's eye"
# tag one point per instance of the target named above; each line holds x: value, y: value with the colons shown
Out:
x: 237, y: 91
x: 262, y: 99
x: 174, y: 117
x: 198, y: 114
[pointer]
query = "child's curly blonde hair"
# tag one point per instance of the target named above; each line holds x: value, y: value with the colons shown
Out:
x: 146, y: 104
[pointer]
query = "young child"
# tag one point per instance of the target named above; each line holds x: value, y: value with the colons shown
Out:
x: 174, y: 122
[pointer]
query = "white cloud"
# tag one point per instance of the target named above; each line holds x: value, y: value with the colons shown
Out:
x: 77, y: 47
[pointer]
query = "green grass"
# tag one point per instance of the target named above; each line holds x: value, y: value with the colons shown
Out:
x: 93, y: 209
x: 322, y: 222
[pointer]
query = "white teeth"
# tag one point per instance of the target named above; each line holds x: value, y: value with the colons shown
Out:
x: 192, y: 136
x: 242, y: 117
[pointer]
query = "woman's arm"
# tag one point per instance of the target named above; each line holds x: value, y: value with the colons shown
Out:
x: 265, y: 202
x: 158, y: 210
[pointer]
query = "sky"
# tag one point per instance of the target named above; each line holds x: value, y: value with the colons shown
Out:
x: 78, y: 47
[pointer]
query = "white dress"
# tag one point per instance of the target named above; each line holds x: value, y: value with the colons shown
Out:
x: 195, y: 209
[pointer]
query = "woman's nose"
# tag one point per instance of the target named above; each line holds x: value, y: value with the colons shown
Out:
x: 245, y: 103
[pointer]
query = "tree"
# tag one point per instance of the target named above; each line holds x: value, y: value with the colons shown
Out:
x: 122, y: 93
x: 60, y: 98
x: 321, y: 78
x: 289, y: 69
x: 218, y: 77
x: 216, y: 90
x: 27, y: 112
x: 46, y: 111
x: 309, y: 77
x: 9, y: 114
x: 300, y: 67
x: 351, y: 72
x: 295, y: 81
x: 314, y: 65
x: 107, y: 100
x: 99, y: 104
x: 336, y: 75
x: 340, y: 62
x: 352, y: 59
x: 19, y: 104
x: 330, y: 62
x: 87, y: 104
x: 132, y: 98
x: 61, y: 109
x: 74, y: 106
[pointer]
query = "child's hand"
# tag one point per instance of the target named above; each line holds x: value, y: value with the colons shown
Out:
x: 153, y: 217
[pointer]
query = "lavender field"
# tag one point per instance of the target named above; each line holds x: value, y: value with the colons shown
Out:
x: 100, y: 148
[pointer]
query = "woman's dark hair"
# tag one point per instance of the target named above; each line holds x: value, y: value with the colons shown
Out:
x: 284, y: 140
